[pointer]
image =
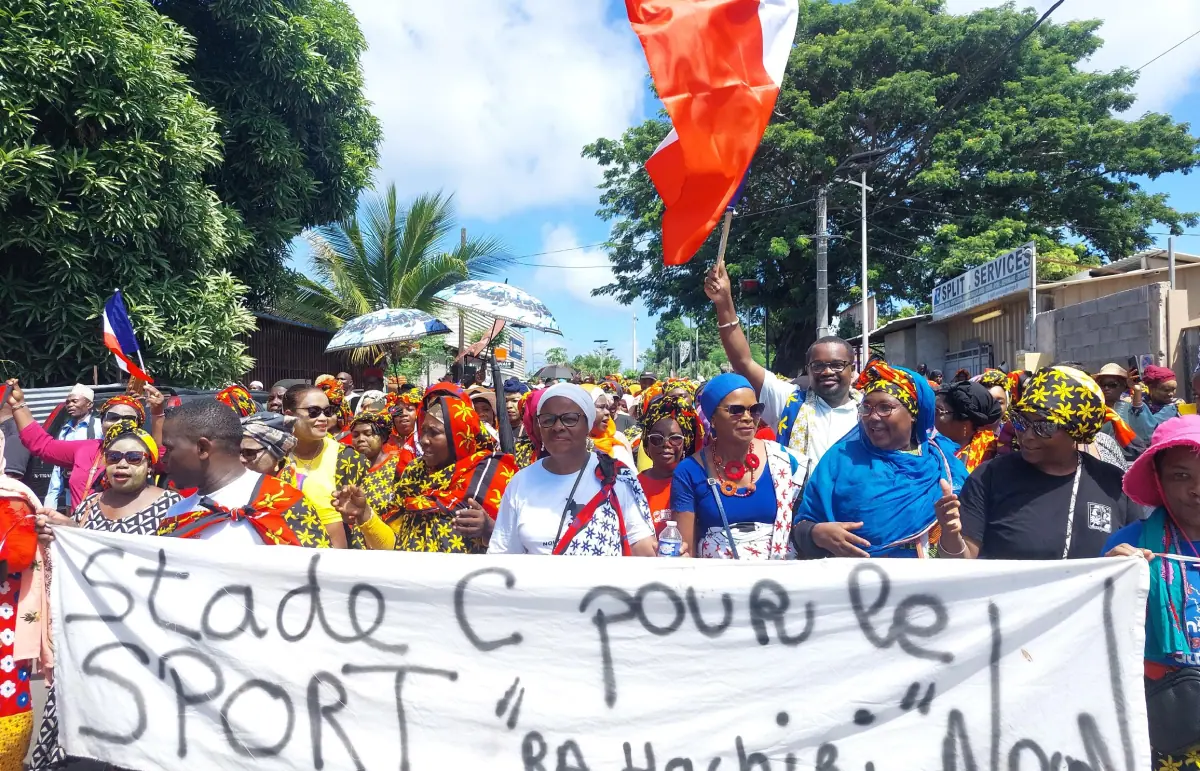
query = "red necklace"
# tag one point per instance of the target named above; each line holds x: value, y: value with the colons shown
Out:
x: 734, y: 471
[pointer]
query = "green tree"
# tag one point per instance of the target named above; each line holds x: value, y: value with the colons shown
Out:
x: 557, y: 356
x: 1029, y: 150
x: 298, y: 139
x: 414, y: 359
x: 389, y: 256
x: 598, y: 364
x: 104, y: 148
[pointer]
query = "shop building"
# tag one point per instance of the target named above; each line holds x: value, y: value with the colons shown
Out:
x: 982, y: 317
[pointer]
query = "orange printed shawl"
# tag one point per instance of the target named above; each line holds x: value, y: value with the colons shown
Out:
x: 278, y: 512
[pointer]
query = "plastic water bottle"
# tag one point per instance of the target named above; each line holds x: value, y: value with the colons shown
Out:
x: 670, y: 543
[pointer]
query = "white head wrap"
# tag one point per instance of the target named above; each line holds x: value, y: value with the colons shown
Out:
x: 371, y: 400
x: 81, y: 390
x: 573, y: 392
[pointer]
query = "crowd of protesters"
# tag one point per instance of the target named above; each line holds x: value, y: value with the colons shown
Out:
x: 885, y: 462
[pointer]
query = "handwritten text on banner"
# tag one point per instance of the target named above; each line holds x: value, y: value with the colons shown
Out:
x: 175, y: 654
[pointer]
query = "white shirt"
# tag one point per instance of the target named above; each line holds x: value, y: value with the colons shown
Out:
x: 828, y: 425
x: 233, y: 495
x: 531, y: 510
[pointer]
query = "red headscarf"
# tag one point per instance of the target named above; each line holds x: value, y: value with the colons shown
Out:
x: 239, y: 400
x: 1154, y: 374
x: 128, y: 401
x: 478, y: 471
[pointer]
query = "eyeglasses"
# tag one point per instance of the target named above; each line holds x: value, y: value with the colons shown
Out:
x: 1043, y: 428
x: 944, y: 413
x: 737, y: 410
x: 112, y: 416
x: 836, y: 367
x: 313, y: 412
x: 133, y: 457
x: 658, y: 440
x: 568, y: 419
x: 250, y: 455
x: 882, y: 410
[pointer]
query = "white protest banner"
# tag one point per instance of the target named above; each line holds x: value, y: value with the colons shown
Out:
x: 188, y: 655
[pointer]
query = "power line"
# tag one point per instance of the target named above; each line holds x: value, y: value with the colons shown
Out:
x: 1169, y: 50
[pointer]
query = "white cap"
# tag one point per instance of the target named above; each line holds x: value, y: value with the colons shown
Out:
x: 81, y: 390
x: 671, y: 523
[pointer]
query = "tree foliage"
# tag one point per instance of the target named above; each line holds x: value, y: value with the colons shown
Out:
x: 1031, y: 150
x: 598, y: 364
x: 557, y: 356
x: 298, y: 140
x: 158, y: 157
x: 103, y: 151
x: 414, y: 359
x: 389, y: 256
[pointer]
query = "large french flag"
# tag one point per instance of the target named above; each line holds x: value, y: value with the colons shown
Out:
x: 717, y: 66
x: 119, y: 337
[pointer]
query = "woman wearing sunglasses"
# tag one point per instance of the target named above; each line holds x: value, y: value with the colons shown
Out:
x: 266, y: 442
x: 733, y: 499
x: 874, y: 493
x: 81, y: 456
x: 670, y: 433
x: 1049, y: 500
x: 129, y: 504
x: 318, y: 464
x: 574, y: 500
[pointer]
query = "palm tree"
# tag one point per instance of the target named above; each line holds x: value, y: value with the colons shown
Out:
x: 386, y: 256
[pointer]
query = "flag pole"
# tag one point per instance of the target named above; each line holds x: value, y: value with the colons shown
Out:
x: 724, y: 236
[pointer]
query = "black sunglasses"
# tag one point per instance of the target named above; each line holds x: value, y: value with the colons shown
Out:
x: 250, y: 456
x: 737, y: 410
x: 1043, y: 428
x: 313, y: 412
x: 133, y: 457
x: 113, y: 416
x: 568, y: 419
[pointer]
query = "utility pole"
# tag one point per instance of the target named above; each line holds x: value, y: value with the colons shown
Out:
x: 822, y: 266
x: 633, y: 359
x: 462, y: 319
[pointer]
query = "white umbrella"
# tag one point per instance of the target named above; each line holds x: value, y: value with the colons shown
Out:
x: 390, y: 325
x: 501, y: 301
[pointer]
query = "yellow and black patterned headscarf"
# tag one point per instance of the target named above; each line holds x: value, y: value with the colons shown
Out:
x: 124, y: 428
x: 683, y: 411
x: 381, y: 421
x: 994, y: 378
x: 878, y: 376
x: 1071, y: 400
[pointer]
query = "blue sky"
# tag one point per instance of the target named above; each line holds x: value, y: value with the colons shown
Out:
x: 493, y: 100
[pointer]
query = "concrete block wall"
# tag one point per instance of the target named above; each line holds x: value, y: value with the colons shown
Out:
x: 1107, y: 329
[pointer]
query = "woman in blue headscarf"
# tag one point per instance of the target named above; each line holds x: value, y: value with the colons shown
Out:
x: 734, y: 498
x: 873, y: 493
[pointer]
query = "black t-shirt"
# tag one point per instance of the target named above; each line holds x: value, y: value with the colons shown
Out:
x: 1014, y: 511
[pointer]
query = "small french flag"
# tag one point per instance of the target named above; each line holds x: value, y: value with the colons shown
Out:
x: 119, y: 337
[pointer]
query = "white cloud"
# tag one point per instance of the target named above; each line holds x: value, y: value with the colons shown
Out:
x: 1134, y: 32
x: 494, y: 99
x: 582, y: 270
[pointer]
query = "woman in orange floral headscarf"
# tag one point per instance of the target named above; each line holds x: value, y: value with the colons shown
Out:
x: 337, y: 399
x: 404, y: 442
x: 446, y: 500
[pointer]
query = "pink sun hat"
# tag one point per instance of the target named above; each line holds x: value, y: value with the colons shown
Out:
x: 1141, y: 480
